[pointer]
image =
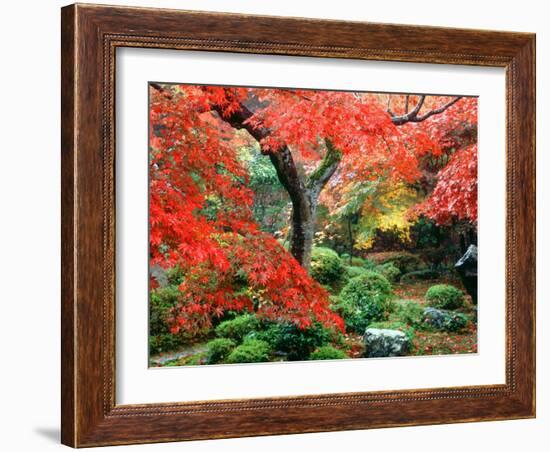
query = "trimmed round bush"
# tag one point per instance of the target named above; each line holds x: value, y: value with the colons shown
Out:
x: 444, y: 296
x: 217, y: 350
x: 327, y: 352
x: 251, y: 351
x: 353, y: 271
x: 238, y: 327
x: 369, y: 264
x: 295, y: 343
x: 406, y: 262
x: 389, y: 271
x: 410, y: 313
x: 419, y: 275
x: 399, y: 326
x: 326, y: 266
x: 363, y: 300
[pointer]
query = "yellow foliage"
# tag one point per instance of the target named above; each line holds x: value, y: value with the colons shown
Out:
x: 389, y: 210
x: 364, y: 242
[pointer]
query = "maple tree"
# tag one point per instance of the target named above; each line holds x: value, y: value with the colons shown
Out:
x: 455, y: 194
x: 201, y: 222
x: 201, y: 204
x: 393, y: 203
x: 308, y: 135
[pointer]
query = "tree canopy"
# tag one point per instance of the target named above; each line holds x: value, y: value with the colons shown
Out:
x: 321, y: 144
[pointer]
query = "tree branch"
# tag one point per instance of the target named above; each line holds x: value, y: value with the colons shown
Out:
x: 412, y: 116
x: 438, y: 110
x: 238, y: 120
x: 281, y: 159
x: 321, y: 175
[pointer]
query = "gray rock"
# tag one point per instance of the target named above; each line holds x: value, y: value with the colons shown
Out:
x: 159, y: 274
x: 467, y: 269
x: 444, y: 320
x: 382, y: 343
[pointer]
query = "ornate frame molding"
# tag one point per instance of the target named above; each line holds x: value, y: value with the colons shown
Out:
x: 90, y: 36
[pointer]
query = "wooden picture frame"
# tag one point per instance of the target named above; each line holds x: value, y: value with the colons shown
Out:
x: 90, y: 36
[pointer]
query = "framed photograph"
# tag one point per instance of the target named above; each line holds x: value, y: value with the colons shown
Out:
x: 280, y: 225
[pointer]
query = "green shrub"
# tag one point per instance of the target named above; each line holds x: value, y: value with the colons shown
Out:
x: 160, y: 343
x: 240, y: 278
x: 251, y: 351
x: 175, y: 276
x: 400, y: 326
x: 193, y: 360
x: 425, y: 233
x: 419, y: 275
x: 357, y: 261
x: 444, y: 296
x: 458, y: 322
x: 161, y: 301
x: 353, y: 271
x: 441, y: 319
x: 389, y: 271
x: 368, y: 264
x: 171, y: 363
x: 334, y: 299
x: 326, y: 266
x: 437, y: 256
x: 217, y: 350
x: 327, y: 352
x: 410, y: 313
x: 363, y: 300
x: 295, y: 343
x: 238, y: 327
x: 405, y: 262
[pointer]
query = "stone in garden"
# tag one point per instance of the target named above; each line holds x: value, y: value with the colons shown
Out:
x: 382, y: 343
x: 444, y: 320
x: 159, y: 274
x: 467, y: 269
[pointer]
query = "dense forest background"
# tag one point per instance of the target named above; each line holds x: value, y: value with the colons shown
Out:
x: 303, y: 224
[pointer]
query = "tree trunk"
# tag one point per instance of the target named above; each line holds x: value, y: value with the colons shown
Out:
x: 303, y: 190
x: 304, y: 194
x: 304, y: 209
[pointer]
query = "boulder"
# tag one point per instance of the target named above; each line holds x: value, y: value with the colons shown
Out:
x: 441, y: 319
x: 382, y: 343
x: 467, y: 269
x: 159, y: 274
